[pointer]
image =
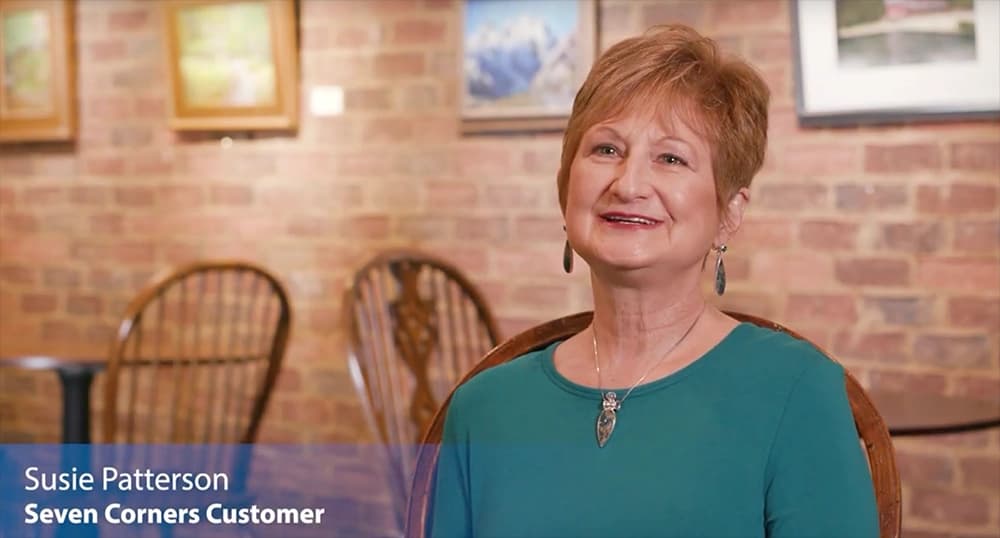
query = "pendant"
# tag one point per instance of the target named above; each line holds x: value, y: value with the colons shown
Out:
x: 606, y: 420
x: 720, y: 277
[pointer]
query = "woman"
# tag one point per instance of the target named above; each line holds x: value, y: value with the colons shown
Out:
x: 665, y: 417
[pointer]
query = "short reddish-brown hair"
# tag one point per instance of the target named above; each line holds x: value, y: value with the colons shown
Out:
x: 674, y: 69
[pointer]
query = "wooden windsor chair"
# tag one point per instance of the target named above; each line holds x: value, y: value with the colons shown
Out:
x: 871, y: 429
x: 416, y: 326
x: 196, y: 356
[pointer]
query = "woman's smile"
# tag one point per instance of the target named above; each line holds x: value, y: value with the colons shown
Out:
x: 618, y: 220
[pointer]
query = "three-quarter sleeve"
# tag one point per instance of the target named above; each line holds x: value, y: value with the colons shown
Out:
x: 450, y: 506
x: 817, y: 478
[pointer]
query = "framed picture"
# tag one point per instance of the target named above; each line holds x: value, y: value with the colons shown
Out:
x: 523, y: 62
x: 878, y: 61
x: 233, y: 64
x: 38, y: 90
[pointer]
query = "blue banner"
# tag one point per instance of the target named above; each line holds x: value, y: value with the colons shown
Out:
x: 287, y: 491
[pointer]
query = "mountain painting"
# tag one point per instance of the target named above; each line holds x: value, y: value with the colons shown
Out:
x: 523, y: 58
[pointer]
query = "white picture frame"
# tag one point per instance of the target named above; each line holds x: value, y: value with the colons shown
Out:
x: 836, y: 86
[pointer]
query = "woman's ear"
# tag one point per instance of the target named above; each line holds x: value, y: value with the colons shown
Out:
x: 561, y: 192
x: 732, y: 216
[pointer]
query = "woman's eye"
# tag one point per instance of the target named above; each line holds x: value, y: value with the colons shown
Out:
x: 670, y: 158
x: 605, y: 150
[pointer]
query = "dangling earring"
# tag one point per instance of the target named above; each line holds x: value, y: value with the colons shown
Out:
x: 720, y: 270
x: 567, y: 256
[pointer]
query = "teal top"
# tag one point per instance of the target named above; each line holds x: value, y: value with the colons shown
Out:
x: 755, y: 438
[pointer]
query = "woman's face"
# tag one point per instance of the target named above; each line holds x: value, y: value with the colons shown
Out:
x: 641, y: 194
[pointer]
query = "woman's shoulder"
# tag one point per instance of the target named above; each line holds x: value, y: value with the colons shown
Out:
x: 777, y: 370
x: 504, y: 380
x: 778, y: 355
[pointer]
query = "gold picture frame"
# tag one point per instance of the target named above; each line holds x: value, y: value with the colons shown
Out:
x: 521, y: 63
x: 37, y: 70
x: 233, y: 64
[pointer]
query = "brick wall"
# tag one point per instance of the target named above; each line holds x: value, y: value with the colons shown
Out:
x: 881, y: 243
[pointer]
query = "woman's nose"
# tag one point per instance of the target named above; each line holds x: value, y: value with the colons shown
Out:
x: 630, y: 180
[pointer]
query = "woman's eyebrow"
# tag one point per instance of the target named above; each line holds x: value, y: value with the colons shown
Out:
x: 607, y: 129
x: 672, y: 138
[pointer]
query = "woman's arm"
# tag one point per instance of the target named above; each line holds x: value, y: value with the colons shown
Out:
x: 450, y: 507
x: 818, y: 481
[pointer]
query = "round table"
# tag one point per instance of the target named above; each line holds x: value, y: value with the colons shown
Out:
x: 75, y: 377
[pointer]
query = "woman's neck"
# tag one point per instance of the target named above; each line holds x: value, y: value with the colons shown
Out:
x: 636, y: 326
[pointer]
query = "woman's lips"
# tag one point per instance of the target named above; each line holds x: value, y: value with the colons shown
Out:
x: 629, y: 220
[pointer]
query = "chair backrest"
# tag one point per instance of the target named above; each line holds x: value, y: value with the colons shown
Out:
x: 196, y: 356
x: 416, y: 326
x: 871, y: 429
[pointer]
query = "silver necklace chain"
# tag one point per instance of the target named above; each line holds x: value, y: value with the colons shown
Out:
x: 611, y: 394
x: 610, y: 404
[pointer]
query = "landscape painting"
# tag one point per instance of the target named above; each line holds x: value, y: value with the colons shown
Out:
x: 232, y: 64
x: 27, y: 62
x: 225, y: 56
x: 37, y: 94
x: 522, y: 62
x: 894, y: 32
